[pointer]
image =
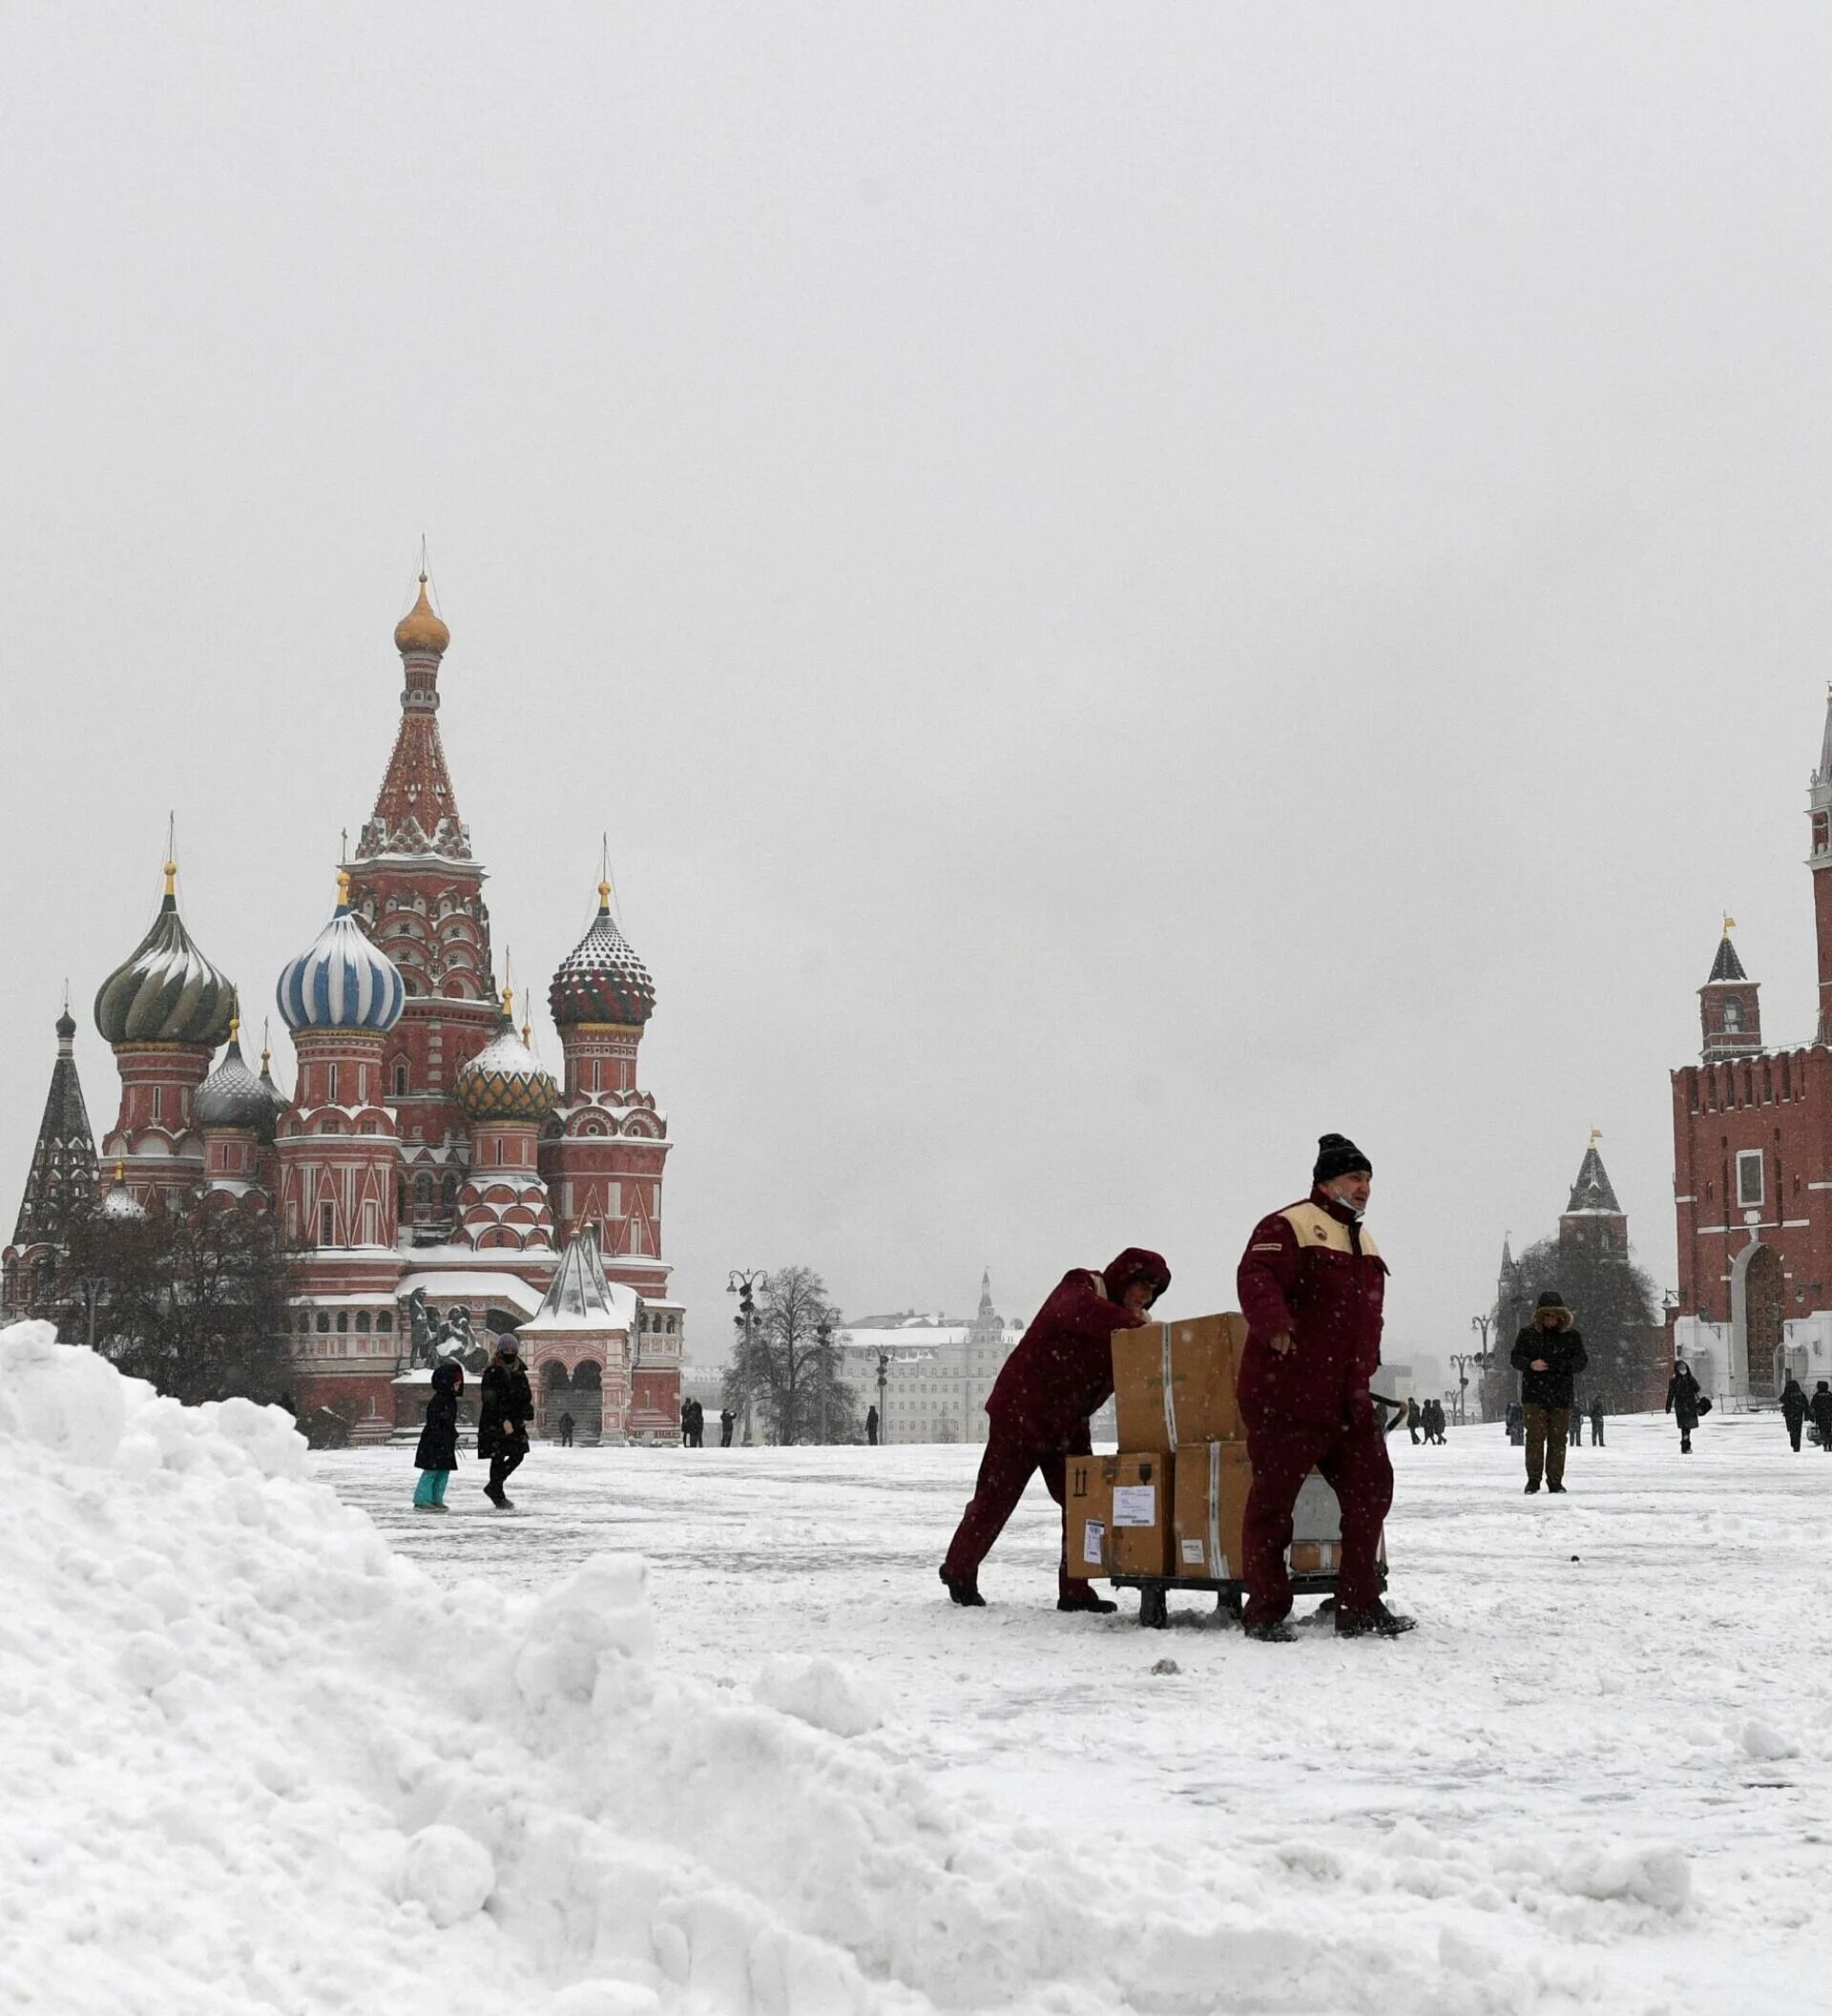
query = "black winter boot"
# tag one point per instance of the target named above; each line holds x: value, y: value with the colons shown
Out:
x: 964, y: 1593
x: 1100, y: 1605
x: 1274, y: 1630
x: 1376, y: 1621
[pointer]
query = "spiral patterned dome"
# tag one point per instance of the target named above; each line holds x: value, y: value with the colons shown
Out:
x: 601, y: 979
x: 166, y: 991
x: 342, y: 980
x: 233, y: 1097
x: 502, y: 1081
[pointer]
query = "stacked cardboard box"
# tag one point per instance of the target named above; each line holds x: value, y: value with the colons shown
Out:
x: 1175, y: 1504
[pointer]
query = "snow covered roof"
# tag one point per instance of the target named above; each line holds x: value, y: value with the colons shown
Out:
x: 473, y: 1285
x: 1593, y: 1194
x: 579, y: 1297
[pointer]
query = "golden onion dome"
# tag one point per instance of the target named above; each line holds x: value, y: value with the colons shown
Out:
x: 419, y: 632
x: 503, y: 1081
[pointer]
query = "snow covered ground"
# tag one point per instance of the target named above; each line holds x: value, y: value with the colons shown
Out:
x: 265, y: 1757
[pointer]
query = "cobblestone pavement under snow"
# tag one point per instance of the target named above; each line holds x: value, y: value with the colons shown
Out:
x: 1599, y: 1774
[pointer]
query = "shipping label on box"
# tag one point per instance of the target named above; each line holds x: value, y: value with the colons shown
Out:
x: 1088, y: 1513
x: 1175, y: 1383
x: 1140, y: 1542
x: 1209, y: 1503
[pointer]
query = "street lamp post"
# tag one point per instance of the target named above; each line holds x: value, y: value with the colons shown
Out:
x: 884, y: 1417
x: 823, y: 1344
x: 1463, y: 1361
x: 742, y: 1282
x: 90, y: 1286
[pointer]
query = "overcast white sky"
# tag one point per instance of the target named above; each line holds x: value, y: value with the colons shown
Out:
x: 1130, y: 585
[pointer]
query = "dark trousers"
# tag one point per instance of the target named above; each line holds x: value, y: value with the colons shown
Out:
x: 1414, y: 1428
x: 1576, y: 1426
x: 1794, y: 1433
x: 725, y: 1435
x: 1545, y: 1430
x: 1009, y: 1461
x: 1596, y: 1432
x: 504, y: 1459
x: 1356, y: 1467
x: 565, y: 1437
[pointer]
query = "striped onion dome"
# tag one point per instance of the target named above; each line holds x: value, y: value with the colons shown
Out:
x: 601, y: 979
x: 342, y: 980
x: 166, y: 991
x: 233, y: 1097
x: 502, y: 1081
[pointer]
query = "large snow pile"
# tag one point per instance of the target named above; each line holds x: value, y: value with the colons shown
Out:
x: 257, y: 1761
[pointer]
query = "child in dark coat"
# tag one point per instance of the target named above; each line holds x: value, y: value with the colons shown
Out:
x: 437, y: 1455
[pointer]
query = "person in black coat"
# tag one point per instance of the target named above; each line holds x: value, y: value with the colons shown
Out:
x: 727, y: 1422
x: 1821, y: 1408
x: 1549, y: 1355
x: 504, y: 1413
x: 1516, y: 1424
x: 437, y: 1455
x: 1794, y: 1409
x: 871, y: 1426
x: 1684, y: 1402
x: 1413, y: 1416
x: 1596, y: 1423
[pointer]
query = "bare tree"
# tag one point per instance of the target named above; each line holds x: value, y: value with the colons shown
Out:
x: 789, y: 1361
x: 194, y: 1301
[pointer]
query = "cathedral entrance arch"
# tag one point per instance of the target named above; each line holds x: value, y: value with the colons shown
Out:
x: 1760, y: 1336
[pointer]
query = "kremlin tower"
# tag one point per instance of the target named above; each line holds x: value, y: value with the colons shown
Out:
x: 424, y: 1159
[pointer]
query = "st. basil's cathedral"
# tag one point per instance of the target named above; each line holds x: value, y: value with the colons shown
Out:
x: 425, y: 1162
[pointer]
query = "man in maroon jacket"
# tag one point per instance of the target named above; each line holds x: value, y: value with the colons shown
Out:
x: 1312, y: 1288
x: 1039, y: 1409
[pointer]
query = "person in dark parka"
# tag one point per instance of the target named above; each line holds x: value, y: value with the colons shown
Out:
x: 1549, y: 1355
x: 1413, y: 1416
x: 504, y: 1411
x: 727, y: 1422
x: 1596, y: 1423
x: 437, y: 1455
x: 1683, y: 1394
x: 1794, y: 1409
x: 1819, y: 1406
x: 1061, y: 1371
x: 871, y: 1426
x: 1313, y: 1289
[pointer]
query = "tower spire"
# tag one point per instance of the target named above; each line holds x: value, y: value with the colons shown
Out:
x: 416, y: 811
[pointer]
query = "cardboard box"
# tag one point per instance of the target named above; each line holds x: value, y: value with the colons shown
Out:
x: 1208, y: 1503
x: 1173, y: 1383
x: 1116, y: 1512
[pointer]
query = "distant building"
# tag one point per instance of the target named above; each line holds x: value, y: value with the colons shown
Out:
x: 425, y: 1160
x: 1752, y: 1155
x: 938, y: 1370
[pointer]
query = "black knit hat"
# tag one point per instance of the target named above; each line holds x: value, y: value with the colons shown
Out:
x: 1551, y: 1299
x: 1337, y: 1156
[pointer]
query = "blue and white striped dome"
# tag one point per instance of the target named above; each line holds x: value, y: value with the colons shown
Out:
x: 343, y: 981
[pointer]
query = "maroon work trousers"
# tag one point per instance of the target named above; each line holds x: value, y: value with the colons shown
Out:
x: 1356, y: 1467
x: 1011, y: 1458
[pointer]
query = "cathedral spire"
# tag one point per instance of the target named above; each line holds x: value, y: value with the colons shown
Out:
x: 416, y: 811
x: 63, y: 1158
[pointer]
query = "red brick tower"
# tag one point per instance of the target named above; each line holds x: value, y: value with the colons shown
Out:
x: 419, y: 895
x: 1593, y: 1220
x: 607, y: 1140
x: 337, y: 1144
x: 1730, y: 1008
x: 163, y: 1011
x: 505, y: 1096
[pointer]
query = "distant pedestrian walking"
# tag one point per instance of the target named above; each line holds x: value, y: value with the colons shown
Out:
x: 1821, y: 1409
x: 1596, y: 1424
x: 696, y: 1426
x: 1516, y: 1424
x: 437, y: 1455
x: 504, y: 1410
x: 1686, y: 1401
x: 727, y: 1422
x: 1434, y: 1430
x: 1414, y: 1415
x: 871, y: 1426
x: 1794, y: 1409
x: 686, y: 1424
x: 566, y: 1426
x: 1549, y: 1355
x: 1577, y: 1425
